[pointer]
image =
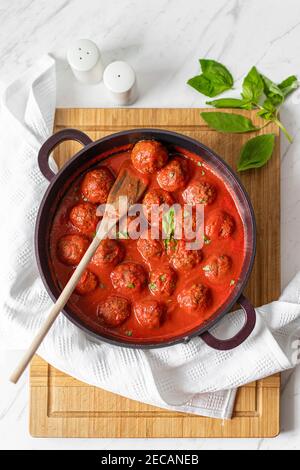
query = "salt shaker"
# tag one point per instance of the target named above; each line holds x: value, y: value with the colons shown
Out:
x: 85, y: 61
x: 120, y: 81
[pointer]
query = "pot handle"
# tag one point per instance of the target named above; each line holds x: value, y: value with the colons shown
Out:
x: 241, y: 336
x: 52, y: 142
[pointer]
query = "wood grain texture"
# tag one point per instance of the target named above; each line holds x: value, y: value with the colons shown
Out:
x: 61, y: 406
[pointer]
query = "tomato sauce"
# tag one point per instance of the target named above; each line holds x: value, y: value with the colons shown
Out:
x: 176, y: 320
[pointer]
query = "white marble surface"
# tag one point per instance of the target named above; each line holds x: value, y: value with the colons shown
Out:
x: 162, y: 40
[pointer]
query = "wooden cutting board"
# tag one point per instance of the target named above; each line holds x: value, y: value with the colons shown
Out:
x: 64, y: 407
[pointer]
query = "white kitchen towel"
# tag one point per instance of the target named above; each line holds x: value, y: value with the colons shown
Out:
x: 188, y: 377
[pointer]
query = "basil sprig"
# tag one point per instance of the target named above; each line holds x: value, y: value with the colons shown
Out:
x: 275, y: 97
x: 253, y: 87
x: 214, y: 79
x: 258, y: 93
x: 168, y: 223
x: 168, y: 226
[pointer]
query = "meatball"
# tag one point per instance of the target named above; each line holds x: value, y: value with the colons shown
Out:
x: 195, y: 298
x: 162, y: 281
x: 148, y: 156
x: 219, y: 224
x: 96, y: 185
x: 149, y: 248
x: 148, y: 313
x: 199, y: 193
x: 87, y: 283
x: 173, y: 176
x: 181, y: 257
x: 129, y: 278
x: 71, y: 248
x: 217, y: 267
x: 108, y: 253
x: 83, y: 216
x: 113, y: 311
x: 156, y: 197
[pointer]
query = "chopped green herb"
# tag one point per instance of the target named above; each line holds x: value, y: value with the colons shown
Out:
x: 131, y: 285
x: 128, y: 333
x: 199, y: 163
x: 168, y: 223
x: 170, y: 244
x: 232, y: 282
x: 162, y: 277
x: 207, y: 240
x: 152, y: 286
x: 166, y: 243
x: 123, y: 235
x: 202, y: 172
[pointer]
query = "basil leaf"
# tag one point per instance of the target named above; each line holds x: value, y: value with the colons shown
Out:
x: 269, y: 106
x: 168, y: 223
x: 214, y: 69
x: 277, y: 93
x: 288, y: 85
x: 268, y: 111
x: 230, y: 103
x: 224, y: 122
x: 204, y: 86
x: 263, y: 113
x: 272, y: 91
x: 253, y: 86
x: 215, y: 78
x: 256, y: 152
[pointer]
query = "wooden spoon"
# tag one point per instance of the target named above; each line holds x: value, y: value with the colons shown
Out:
x: 127, y: 185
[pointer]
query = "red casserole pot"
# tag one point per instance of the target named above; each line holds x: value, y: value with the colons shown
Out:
x: 90, y: 156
